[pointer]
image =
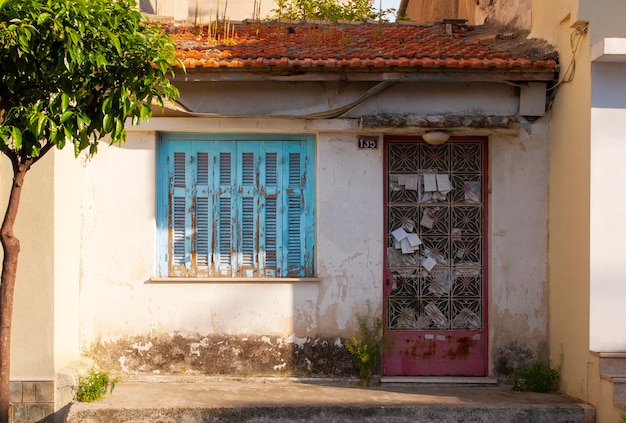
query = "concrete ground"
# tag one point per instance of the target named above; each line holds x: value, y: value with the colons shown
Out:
x: 163, y: 400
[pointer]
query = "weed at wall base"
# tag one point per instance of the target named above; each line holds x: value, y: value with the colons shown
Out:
x: 94, y: 385
x: 538, y: 377
x: 367, y: 349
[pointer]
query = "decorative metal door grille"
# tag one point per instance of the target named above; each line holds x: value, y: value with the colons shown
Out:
x: 435, y: 197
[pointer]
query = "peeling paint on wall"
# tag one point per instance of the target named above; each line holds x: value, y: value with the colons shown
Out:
x: 231, y: 355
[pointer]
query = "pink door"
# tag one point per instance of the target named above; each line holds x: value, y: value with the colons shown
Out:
x: 434, y: 285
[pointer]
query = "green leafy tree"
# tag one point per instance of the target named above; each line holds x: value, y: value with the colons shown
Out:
x: 71, y: 73
x: 330, y: 10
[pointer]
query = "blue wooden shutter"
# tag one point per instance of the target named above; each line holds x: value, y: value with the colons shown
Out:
x: 270, y: 209
x: 224, y: 209
x: 248, y: 198
x: 236, y: 208
x: 202, y: 218
x: 298, y: 218
x: 292, y: 203
x: 174, y: 210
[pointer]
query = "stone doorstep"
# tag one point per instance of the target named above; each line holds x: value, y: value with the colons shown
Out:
x: 246, y: 400
x: 439, y: 380
x: 367, y: 414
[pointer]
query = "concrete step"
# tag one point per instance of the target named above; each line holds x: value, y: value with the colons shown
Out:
x: 619, y: 388
x: 438, y: 380
x: 229, y: 400
x: 612, y: 362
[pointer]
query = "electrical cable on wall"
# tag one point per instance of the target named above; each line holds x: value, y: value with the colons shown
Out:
x: 580, y: 29
x: 328, y: 114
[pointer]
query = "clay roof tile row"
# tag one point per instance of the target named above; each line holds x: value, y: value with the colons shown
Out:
x: 365, y: 46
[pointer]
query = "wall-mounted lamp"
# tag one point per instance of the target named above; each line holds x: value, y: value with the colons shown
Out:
x: 436, y: 137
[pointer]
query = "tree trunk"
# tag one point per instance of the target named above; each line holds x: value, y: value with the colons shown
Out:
x: 11, y: 247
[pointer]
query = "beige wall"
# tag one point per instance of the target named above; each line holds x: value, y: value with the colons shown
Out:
x: 569, y: 201
x: 430, y: 11
x: 32, y: 331
x: 503, y: 12
x: 45, y: 314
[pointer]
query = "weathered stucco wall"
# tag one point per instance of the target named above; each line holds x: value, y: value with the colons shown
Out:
x: 118, y: 300
x: 134, y: 324
x: 518, y: 300
x: 515, y: 14
x: 290, y: 99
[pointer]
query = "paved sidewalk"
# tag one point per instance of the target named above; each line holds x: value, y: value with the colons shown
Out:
x: 261, y: 400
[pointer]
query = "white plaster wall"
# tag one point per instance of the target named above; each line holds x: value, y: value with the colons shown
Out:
x: 118, y: 254
x: 518, y: 226
x: 67, y: 224
x: 608, y: 226
x: 606, y: 18
x: 201, y: 11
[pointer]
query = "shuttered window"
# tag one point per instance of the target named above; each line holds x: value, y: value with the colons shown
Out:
x: 237, y: 207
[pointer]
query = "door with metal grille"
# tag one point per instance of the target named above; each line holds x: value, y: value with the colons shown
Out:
x: 435, y: 275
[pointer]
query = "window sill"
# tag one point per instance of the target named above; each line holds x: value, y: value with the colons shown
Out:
x: 232, y: 280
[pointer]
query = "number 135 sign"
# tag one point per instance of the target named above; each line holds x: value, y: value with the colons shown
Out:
x: 364, y: 142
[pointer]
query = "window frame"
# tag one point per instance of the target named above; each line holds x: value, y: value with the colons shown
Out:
x: 215, y: 144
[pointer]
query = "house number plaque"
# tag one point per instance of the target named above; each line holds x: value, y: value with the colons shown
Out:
x: 367, y: 142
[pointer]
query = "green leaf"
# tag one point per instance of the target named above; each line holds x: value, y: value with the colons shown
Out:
x: 40, y: 122
x: 115, y: 40
x: 107, y: 123
x: 65, y: 102
x: 16, y: 135
x: 66, y: 115
x: 53, y: 133
x: 43, y: 18
x: 146, y: 112
x: 24, y: 43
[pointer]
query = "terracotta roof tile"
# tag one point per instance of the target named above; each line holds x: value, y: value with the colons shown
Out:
x: 399, y: 46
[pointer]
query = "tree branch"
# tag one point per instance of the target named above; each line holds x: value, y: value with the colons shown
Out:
x: 47, y: 147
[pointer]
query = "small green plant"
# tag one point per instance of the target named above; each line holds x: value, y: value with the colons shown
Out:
x: 94, y: 385
x: 538, y: 377
x: 367, y: 349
